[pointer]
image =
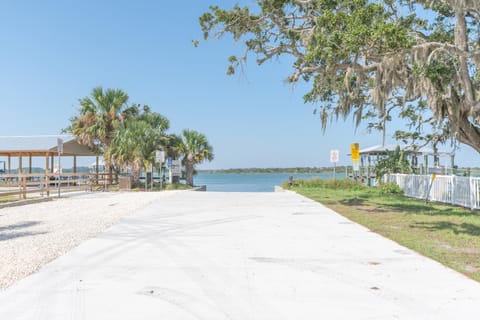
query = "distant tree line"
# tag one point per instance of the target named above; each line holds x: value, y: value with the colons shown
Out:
x: 339, y: 169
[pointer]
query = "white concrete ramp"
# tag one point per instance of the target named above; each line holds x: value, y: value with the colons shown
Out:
x: 240, y: 256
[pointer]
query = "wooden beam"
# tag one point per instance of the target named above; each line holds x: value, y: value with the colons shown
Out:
x: 46, y: 163
x: 47, y: 178
x: 30, y: 163
x: 20, y: 168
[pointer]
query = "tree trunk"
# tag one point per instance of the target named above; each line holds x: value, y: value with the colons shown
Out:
x: 189, y: 172
x: 461, y: 41
x: 136, y: 172
x: 467, y: 133
x: 110, y: 173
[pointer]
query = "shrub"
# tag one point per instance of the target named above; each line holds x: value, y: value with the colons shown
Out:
x: 324, y: 183
x: 389, y: 188
x: 177, y: 186
x: 395, y: 162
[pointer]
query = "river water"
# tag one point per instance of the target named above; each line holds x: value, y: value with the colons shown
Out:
x: 251, y: 182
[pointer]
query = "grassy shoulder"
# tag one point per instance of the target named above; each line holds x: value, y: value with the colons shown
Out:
x: 6, y: 199
x: 450, y: 235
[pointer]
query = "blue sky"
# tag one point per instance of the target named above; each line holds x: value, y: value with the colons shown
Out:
x: 54, y: 53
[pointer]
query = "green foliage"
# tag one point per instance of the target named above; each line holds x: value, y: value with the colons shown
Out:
x: 394, y: 162
x: 326, y: 37
x: 195, y: 149
x: 368, y: 56
x: 178, y: 186
x: 98, y: 116
x: 347, y: 184
x: 389, y: 188
x: 293, y: 170
x: 135, y: 141
x: 129, y: 135
x: 423, y: 128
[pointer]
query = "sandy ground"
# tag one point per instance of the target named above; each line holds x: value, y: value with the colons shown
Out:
x: 35, y: 234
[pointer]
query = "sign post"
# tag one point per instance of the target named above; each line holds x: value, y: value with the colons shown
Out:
x: 432, y: 179
x: 169, y: 166
x: 334, y: 157
x: 355, y: 151
x: 160, y: 158
x: 60, y: 151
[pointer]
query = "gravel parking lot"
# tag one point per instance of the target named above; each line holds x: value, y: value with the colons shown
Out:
x: 34, y: 234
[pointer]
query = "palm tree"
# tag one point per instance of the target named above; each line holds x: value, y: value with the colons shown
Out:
x: 99, y: 115
x: 171, y: 145
x: 98, y: 118
x: 195, y: 149
x: 135, y: 142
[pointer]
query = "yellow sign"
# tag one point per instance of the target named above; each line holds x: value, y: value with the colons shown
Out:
x: 355, y: 150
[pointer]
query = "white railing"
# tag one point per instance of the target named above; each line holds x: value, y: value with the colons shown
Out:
x: 462, y: 191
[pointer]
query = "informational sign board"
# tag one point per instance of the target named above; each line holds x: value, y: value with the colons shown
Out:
x: 169, y: 162
x: 176, y: 168
x: 160, y: 156
x: 355, y: 150
x: 334, y: 156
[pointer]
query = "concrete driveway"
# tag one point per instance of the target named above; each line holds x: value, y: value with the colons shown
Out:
x: 209, y: 256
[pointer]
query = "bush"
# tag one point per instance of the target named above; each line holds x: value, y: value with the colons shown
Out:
x: 389, y: 188
x: 395, y: 162
x: 324, y: 183
x: 177, y: 186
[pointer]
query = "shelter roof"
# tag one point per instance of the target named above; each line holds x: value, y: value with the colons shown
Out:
x: 383, y: 149
x: 41, y: 146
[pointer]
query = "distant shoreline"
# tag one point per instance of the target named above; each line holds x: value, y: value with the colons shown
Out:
x: 293, y: 170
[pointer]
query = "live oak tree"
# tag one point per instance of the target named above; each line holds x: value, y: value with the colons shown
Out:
x: 361, y: 55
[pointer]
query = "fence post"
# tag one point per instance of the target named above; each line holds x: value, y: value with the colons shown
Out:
x: 47, y: 183
x: 24, y: 187
x: 442, y: 189
x: 452, y: 185
x: 473, y: 192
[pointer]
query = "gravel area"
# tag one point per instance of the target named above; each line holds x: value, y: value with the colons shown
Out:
x: 35, y: 234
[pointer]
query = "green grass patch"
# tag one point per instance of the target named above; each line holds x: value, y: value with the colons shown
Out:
x: 448, y: 234
x: 178, y: 186
x: 6, y: 199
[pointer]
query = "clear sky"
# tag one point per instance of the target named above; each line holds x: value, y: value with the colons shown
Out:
x: 54, y: 52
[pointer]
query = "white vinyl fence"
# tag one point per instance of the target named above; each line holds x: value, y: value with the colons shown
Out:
x: 462, y: 191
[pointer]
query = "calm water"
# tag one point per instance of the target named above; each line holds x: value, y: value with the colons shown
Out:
x: 244, y: 182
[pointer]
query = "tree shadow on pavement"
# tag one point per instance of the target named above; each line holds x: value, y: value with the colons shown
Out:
x: 462, y: 228
x: 352, y: 202
x: 431, y: 209
x: 13, y: 231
